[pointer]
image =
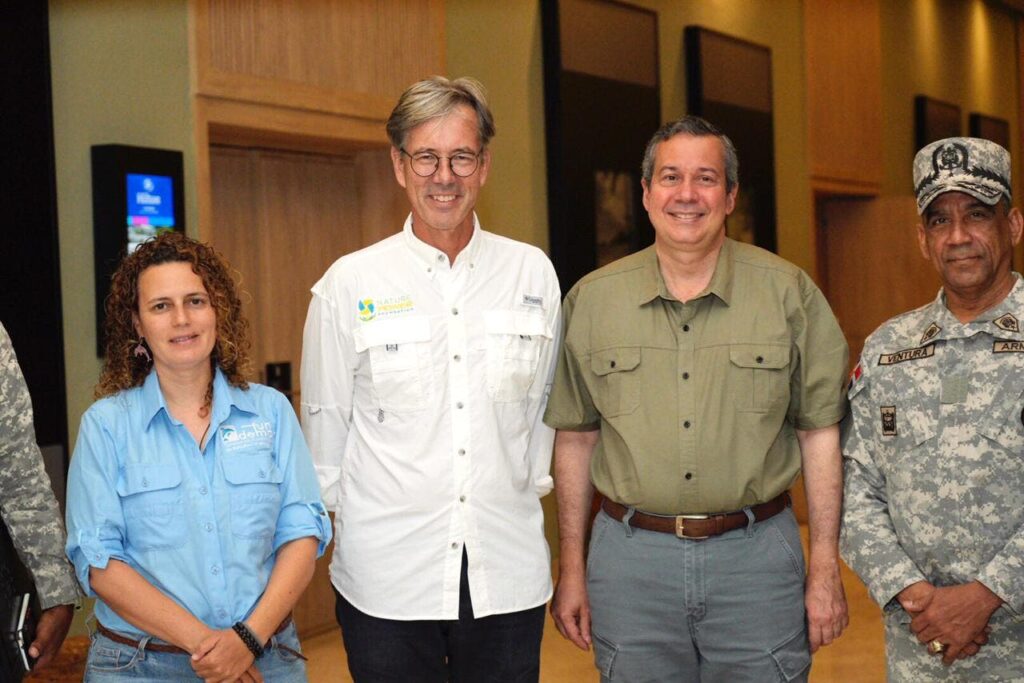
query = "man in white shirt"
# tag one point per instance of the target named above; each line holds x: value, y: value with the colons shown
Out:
x: 427, y: 361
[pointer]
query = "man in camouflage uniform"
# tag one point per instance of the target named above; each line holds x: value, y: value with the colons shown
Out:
x: 934, y: 442
x: 30, y: 511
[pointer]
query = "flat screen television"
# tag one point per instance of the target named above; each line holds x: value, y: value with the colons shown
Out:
x: 137, y: 192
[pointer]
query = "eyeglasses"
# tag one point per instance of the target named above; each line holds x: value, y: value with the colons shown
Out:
x: 425, y: 164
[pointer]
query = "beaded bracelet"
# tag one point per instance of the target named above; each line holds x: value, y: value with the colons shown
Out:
x: 249, y: 639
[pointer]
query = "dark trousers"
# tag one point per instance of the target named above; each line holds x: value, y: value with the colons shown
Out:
x: 502, y: 648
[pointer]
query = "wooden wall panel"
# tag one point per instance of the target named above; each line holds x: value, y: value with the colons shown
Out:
x: 874, y: 268
x: 282, y: 219
x: 844, y: 95
x: 349, y: 57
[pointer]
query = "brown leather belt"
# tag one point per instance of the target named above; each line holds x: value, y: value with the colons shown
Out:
x: 697, y: 527
x: 173, y: 649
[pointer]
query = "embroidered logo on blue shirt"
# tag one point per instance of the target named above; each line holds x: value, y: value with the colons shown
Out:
x: 235, y: 437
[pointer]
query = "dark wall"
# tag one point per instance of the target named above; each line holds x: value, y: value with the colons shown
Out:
x: 30, y: 301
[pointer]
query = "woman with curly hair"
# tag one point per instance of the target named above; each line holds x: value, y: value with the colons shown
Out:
x: 194, y: 514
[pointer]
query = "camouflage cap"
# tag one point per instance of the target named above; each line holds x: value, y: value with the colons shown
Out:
x: 980, y: 168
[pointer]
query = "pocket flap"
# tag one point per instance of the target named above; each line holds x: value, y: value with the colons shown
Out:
x: 620, y: 359
x: 515, y: 322
x: 252, y: 469
x: 140, y: 478
x: 394, y: 331
x: 771, y: 357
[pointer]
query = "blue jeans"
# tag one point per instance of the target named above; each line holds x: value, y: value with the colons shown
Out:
x: 109, y: 662
x: 501, y: 648
x: 728, y: 609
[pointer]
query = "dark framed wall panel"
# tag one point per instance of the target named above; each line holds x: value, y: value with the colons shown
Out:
x: 30, y: 306
x: 602, y: 104
x: 729, y: 83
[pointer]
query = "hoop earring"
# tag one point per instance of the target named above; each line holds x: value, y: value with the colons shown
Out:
x: 140, y: 350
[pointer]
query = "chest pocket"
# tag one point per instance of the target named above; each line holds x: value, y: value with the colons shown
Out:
x: 513, y: 345
x: 1004, y: 423
x: 255, y: 494
x: 616, y: 389
x: 153, y: 505
x: 399, y: 353
x: 757, y: 376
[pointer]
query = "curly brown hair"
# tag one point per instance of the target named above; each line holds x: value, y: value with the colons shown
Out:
x: 122, y: 368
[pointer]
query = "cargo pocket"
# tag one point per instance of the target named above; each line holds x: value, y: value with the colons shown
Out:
x: 792, y: 657
x: 154, y: 510
x: 617, y: 380
x: 604, y: 656
x: 757, y: 376
x: 513, y: 345
x: 399, y: 351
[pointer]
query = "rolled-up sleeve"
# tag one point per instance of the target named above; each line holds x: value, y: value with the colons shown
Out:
x: 95, y: 520
x: 328, y: 360
x: 302, y: 512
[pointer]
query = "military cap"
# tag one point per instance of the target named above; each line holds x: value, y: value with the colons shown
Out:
x: 977, y: 167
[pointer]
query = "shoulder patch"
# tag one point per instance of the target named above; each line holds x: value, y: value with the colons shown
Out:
x: 1007, y: 347
x: 915, y: 353
x: 1007, y: 322
x: 930, y: 333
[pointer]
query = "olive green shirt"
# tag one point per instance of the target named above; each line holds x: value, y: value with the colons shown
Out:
x: 698, y: 403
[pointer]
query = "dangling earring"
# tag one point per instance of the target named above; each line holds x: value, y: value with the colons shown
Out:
x: 141, y: 350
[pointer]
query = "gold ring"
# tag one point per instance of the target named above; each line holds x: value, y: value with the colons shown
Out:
x: 935, y: 647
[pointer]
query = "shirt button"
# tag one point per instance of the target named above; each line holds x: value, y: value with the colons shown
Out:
x: 686, y: 375
x: 145, y: 483
x: 261, y: 474
x: 455, y: 546
x: 612, y: 364
x: 686, y: 424
x: 459, y: 405
x: 202, y: 490
x: 215, y: 570
x: 462, y: 499
x: 457, y: 358
x: 208, y: 527
x: 689, y: 476
x: 760, y: 359
x: 462, y: 451
x: 221, y: 613
x: 455, y: 311
x: 686, y: 328
x: 440, y: 258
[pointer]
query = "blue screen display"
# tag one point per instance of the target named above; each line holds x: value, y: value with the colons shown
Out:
x: 150, y: 207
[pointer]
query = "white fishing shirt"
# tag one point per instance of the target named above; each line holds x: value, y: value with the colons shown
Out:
x: 423, y: 387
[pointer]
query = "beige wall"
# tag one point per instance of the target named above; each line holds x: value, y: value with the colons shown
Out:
x: 500, y: 43
x: 963, y: 52
x: 120, y: 75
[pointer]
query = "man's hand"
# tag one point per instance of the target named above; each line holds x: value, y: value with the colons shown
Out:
x: 222, y: 657
x: 825, y: 600
x: 570, y: 608
x: 50, y: 632
x: 956, y: 616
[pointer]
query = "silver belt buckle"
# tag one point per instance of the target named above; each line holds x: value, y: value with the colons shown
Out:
x: 681, y: 526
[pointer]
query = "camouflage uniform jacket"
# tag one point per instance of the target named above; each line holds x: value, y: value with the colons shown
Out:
x: 27, y: 504
x: 934, y: 454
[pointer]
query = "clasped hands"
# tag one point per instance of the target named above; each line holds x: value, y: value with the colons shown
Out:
x: 954, y: 616
x: 222, y: 657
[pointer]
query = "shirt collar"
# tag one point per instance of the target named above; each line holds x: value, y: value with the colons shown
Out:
x: 653, y: 284
x: 950, y: 327
x: 225, y: 397
x: 431, y: 256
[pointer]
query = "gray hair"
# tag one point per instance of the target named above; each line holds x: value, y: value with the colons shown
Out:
x: 697, y: 127
x: 434, y: 97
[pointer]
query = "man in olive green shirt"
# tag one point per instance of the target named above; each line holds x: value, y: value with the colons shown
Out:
x: 697, y: 376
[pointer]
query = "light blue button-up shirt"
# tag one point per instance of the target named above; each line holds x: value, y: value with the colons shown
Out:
x: 202, y: 526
